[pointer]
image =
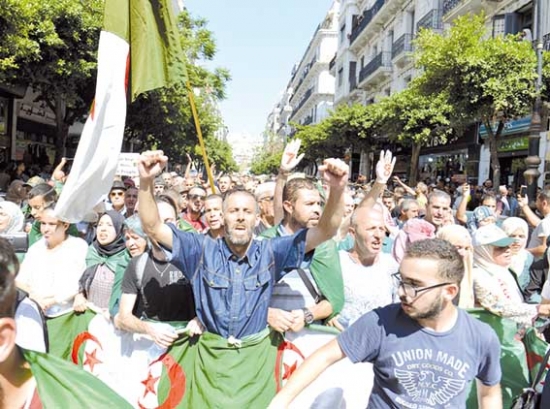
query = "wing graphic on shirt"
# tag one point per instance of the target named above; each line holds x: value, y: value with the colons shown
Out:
x: 441, y: 389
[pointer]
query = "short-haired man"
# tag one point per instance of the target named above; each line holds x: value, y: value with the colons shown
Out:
x: 438, y: 208
x: 195, y: 204
x: 233, y: 277
x: 408, y: 209
x: 213, y: 215
x: 425, y: 351
x: 224, y: 184
x: 366, y: 270
x: 294, y: 304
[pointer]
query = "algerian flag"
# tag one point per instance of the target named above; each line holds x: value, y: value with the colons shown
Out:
x: 139, y: 50
x: 63, y: 385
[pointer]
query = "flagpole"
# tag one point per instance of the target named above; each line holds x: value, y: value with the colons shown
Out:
x: 199, y: 133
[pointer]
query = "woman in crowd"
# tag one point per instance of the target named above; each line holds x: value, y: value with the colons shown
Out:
x: 495, y: 286
x: 17, y: 192
x: 106, y: 261
x: 521, y: 259
x: 11, y: 218
x: 459, y: 237
x: 53, y: 265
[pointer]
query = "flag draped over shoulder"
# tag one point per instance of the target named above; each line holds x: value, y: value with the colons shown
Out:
x: 139, y: 50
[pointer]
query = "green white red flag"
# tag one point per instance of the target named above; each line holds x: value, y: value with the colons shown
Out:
x: 139, y: 50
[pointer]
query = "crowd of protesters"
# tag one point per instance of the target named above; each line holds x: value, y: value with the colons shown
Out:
x: 279, y: 253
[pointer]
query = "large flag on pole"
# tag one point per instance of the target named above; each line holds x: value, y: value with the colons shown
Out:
x: 139, y: 50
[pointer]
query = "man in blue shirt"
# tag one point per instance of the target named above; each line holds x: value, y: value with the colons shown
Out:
x: 233, y: 277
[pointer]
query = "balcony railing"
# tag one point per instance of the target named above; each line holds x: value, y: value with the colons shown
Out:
x: 365, y: 19
x: 432, y: 20
x: 448, y: 5
x: 402, y: 44
x: 306, y: 96
x: 308, y: 120
x: 383, y: 59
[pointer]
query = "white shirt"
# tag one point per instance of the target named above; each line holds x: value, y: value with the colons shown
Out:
x: 366, y: 287
x: 539, y: 234
x: 54, y: 272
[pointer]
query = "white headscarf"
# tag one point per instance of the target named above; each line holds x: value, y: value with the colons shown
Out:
x: 510, y: 225
x: 17, y: 219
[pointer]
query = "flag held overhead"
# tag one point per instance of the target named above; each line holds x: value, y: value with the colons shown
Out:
x: 139, y: 50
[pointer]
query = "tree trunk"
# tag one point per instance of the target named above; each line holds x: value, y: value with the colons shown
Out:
x: 61, y: 131
x: 492, y: 138
x: 413, y: 170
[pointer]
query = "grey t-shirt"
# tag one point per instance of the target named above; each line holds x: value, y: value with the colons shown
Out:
x: 415, y: 367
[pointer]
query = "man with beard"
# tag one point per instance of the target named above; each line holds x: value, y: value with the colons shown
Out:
x: 425, y: 351
x: 306, y: 294
x: 233, y: 277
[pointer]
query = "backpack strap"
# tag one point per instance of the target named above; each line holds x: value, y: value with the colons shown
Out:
x: 140, y: 268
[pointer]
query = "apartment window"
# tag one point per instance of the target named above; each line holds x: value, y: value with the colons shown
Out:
x: 340, y: 77
x: 410, y: 22
x: 342, y: 33
x: 498, y: 25
x: 362, y: 61
x: 387, y: 91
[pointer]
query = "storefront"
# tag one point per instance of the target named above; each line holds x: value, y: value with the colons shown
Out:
x: 512, y: 148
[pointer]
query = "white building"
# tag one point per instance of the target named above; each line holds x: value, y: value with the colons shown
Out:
x: 373, y: 60
x: 308, y: 96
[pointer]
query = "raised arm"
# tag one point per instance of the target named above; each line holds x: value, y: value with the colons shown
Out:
x: 407, y: 188
x: 289, y: 161
x: 335, y: 173
x: 150, y: 165
x: 532, y: 218
x: 384, y: 169
x: 461, y: 210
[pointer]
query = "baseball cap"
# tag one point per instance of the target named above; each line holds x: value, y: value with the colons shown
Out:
x: 482, y: 212
x: 492, y: 235
x: 35, y: 180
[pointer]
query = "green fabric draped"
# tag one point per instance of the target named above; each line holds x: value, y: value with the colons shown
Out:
x: 221, y: 375
x: 61, y: 384
x: 325, y: 269
x: 117, y: 263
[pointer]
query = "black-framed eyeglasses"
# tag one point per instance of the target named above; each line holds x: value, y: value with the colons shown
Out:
x: 412, y: 291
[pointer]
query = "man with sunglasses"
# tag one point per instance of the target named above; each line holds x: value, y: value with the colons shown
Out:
x: 116, y: 196
x: 195, y: 205
x: 425, y: 351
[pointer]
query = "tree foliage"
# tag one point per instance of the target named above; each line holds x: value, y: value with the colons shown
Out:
x: 51, y: 46
x: 267, y: 158
x: 485, y: 78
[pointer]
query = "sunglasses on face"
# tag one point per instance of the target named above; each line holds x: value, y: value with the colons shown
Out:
x: 117, y: 193
x: 195, y: 197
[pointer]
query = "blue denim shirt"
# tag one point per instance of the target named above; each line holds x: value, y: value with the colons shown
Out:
x: 232, y: 294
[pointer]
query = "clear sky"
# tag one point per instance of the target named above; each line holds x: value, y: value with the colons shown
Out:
x: 259, y: 41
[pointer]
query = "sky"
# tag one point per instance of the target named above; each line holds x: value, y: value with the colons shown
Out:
x: 259, y: 42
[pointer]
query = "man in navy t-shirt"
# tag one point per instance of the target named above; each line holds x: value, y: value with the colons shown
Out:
x: 424, y: 351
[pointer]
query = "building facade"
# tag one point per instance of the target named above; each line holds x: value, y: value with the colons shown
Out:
x: 374, y: 41
x: 309, y: 94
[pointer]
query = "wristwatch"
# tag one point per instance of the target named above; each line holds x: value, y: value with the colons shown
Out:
x: 308, y: 316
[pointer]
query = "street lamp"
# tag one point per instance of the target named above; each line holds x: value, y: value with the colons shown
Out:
x: 533, y: 161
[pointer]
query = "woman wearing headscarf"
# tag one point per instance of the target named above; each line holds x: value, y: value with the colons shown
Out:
x: 11, y: 218
x: 495, y: 286
x: 106, y: 261
x: 459, y: 237
x: 521, y: 259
